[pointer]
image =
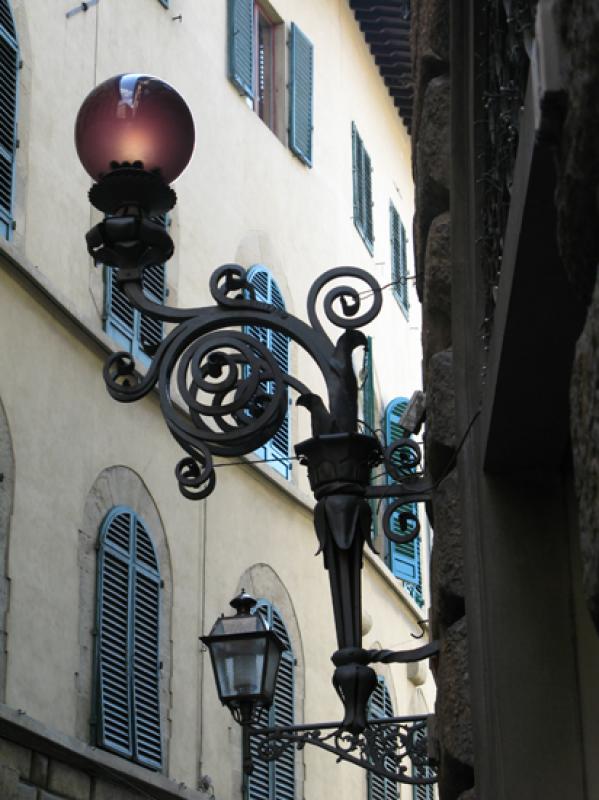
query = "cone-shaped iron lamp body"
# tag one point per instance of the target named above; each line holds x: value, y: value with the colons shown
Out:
x: 134, y: 119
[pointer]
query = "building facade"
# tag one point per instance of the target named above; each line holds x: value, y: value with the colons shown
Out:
x: 108, y: 575
x: 506, y: 160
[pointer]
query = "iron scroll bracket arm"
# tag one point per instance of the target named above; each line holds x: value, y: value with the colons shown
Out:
x: 392, y: 747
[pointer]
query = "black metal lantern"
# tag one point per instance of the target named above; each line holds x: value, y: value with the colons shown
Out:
x: 245, y: 657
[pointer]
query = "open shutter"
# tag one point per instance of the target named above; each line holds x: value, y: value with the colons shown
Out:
x: 113, y: 644
x: 399, y: 265
x: 241, y: 45
x: 267, y: 291
x: 146, y: 657
x: 381, y: 707
x: 9, y: 68
x: 301, y: 72
x: 367, y: 195
x: 362, y: 186
x: 403, y: 559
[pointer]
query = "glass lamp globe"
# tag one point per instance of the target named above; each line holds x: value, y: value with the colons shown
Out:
x: 134, y: 120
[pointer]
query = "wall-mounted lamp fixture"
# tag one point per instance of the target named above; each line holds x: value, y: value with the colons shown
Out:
x: 134, y: 135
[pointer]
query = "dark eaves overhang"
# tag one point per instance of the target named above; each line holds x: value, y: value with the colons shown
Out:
x: 386, y: 28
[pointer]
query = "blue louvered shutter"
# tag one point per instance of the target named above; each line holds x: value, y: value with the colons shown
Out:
x: 381, y: 707
x: 241, y: 45
x: 9, y: 68
x: 301, y: 80
x: 403, y: 559
x: 362, y: 190
x: 146, y: 654
x: 127, y: 651
x: 426, y: 791
x: 399, y: 264
x: 113, y: 652
x: 275, y: 780
x: 267, y: 291
x: 138, y: 333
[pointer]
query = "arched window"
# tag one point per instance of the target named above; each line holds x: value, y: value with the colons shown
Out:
x: 403, y: 559
x: 267, y: 291
x: 127, y: 647
x: 275, y: 780
x: 9, y: 69
x: 379, y: 707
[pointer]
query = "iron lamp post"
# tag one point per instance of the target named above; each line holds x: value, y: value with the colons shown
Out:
x: 223, y: 393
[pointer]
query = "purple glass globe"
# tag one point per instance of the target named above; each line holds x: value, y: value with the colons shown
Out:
x: 134, y: 118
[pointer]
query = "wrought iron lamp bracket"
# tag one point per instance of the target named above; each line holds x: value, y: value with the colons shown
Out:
x: 394, y: 748
x: 211, y: 377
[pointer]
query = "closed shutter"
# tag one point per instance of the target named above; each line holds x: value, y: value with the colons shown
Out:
x: 267, y: 291
x: 113, y: 649
x: 9, y: 68
x: 362, y: 190
x: 399, y: 265
x: 127, y: 652
x: 301, y: 78
x: 427, y: 791
x: 381, y: 707
x: 275, y: 780
x: 403, y: 559
x: 241, y: 45
x: 146, y: 656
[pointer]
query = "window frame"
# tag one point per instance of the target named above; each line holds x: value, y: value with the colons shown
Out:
x: 259, y: 11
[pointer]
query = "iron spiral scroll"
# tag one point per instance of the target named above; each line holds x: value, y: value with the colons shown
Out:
x: 222, y: 393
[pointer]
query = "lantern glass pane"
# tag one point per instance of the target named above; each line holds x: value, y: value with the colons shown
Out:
x: 239, y: 666
x: 272, y: 667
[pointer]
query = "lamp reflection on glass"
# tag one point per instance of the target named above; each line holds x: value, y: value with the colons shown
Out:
x: 245, y: 657
x: 134, y: 120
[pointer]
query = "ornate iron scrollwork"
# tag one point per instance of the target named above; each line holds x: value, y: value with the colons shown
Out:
x: 393, y: 748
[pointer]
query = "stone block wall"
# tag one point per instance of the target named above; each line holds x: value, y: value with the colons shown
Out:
x: 37, y: 763
x: 577, y: 199
x: 432, y: 174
